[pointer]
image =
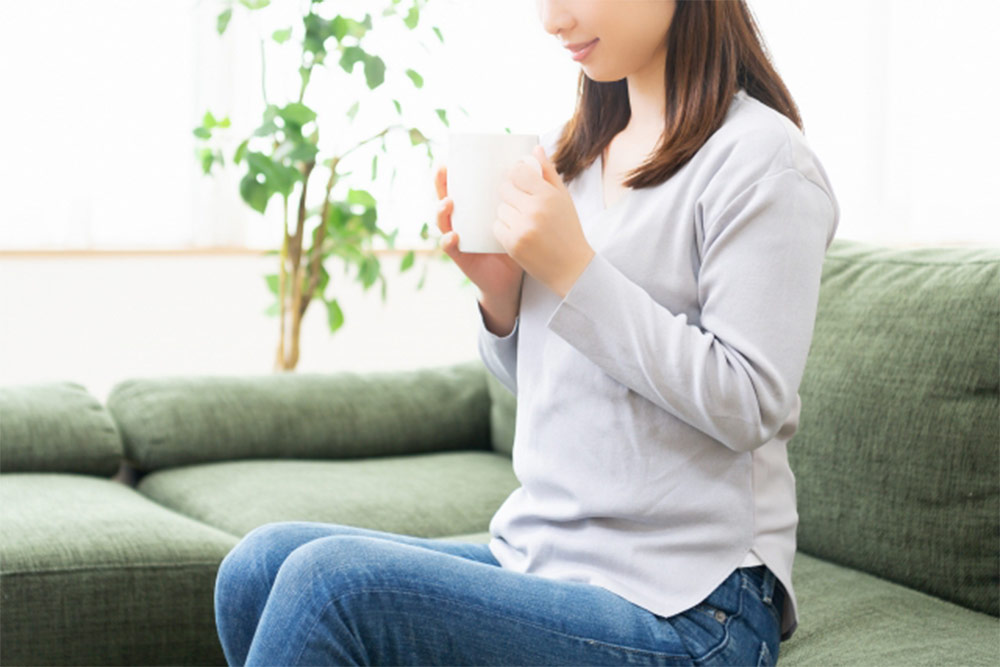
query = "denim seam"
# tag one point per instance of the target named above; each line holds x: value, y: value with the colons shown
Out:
x: 725, y: 625
x: 490, y: 612
x: 769, y: 600
x: 769, y: 605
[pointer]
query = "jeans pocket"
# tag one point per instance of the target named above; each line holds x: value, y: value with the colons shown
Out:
x: 706, y: 627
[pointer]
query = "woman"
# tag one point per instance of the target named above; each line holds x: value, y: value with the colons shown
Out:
x: 652, y: 314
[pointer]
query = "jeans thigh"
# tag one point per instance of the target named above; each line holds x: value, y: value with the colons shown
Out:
x: 247, y: 574
x: 276, y: 540
x: 359, y: 600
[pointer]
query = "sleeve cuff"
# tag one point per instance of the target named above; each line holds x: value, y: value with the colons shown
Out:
x: 587, y: 299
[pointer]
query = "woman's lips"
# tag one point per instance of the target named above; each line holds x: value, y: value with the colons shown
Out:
x: 580, y: 54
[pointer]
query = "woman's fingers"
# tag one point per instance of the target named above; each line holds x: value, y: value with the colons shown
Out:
x: 444, y: 215
x: 441, y: 181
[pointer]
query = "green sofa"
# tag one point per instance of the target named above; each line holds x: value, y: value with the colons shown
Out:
x: 114, y: 518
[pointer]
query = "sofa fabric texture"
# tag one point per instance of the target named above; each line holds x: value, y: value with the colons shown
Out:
x: 176, y: 421
x: 426, y: 495
x: 93, y: 573
x: 43, y: 424
x: 897, y: 457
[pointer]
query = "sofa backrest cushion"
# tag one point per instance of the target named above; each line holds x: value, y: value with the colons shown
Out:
x: 174, y: 421
x: 898, y: 446
x: 503, y: 414
x: 56, y: 427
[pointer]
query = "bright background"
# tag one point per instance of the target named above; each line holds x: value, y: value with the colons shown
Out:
x: 119, y: 258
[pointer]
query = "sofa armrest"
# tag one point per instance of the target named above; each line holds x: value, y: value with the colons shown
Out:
x: 174, y: 421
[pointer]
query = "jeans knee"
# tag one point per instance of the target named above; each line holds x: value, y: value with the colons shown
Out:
x: 249, y: 557
x: 346, y: 564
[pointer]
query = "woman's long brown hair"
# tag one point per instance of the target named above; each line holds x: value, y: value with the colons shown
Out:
x: 713, y: 50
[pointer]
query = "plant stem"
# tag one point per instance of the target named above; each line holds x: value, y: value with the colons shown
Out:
x: 317, y: 253
x: 279, y: 363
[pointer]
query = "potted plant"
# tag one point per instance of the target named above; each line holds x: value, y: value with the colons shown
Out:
x: 283, y: 156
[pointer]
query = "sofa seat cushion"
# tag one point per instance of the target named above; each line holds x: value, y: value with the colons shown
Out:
x: 92, y: 572
x: 427, y: 495
x: 849, y: 617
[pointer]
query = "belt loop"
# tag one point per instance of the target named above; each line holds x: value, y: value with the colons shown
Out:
x: 767, y: 585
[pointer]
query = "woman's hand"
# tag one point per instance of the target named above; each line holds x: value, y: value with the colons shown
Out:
x: 495, y: 274
x: 538, y: 225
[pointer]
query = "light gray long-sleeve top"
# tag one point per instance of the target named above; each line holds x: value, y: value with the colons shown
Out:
x: 656, y: 400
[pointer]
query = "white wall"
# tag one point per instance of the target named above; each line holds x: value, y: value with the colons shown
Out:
x: 99, y: 320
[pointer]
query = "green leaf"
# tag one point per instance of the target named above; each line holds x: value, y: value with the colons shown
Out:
x: 298, y: 113
x: 399, y: 109
x: 369, y: 271
x: 202, y: 133
x: 266, y: 129
x: 368, y: 218
x: 412, y: 18
x: 374, y: 166
x: 208, y: 120
x: 353, y: 110
x: 443, y: 115
x: 273, y: 310
x: 272, y: 282
x: 279, y: 178
x: 241, y: 151
x: 281, y: 36
x: 507, y: 130
x: 255, y: 4
x: 407, y: 261
x: 424, y: 231
x: 438, y: 33
x: 374, y: 72
x: 254, y: 193
x: 305, y: 73
x: 223, y: 20
x: 338, y: 27
x: 334, y: 315
x: 271, y: 112
x: 206, y: 157
x: 318, y: 30
x: 324, y: 280
x: 417, y: 137
x: 350, y: 57
x: 418, y: 80
x: 362, y: 197
x: 304, y: 151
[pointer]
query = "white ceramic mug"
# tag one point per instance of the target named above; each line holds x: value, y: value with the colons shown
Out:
x: 478, y: 163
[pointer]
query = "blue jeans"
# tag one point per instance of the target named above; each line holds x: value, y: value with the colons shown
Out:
x: 309, y: 593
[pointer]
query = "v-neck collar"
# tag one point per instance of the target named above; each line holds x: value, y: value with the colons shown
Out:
x: 602, y: 206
